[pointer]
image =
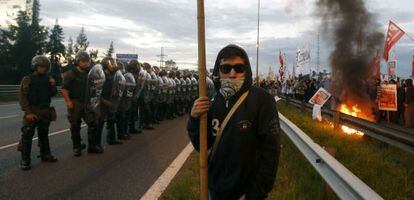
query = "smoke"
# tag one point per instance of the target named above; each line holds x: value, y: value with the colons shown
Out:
x: 354, y: 33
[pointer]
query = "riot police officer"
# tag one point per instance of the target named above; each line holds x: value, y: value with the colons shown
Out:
x: 125, y: 105
x: 147, y: 114
x: 36, y: 91
x: 140, y: 94
x: 111, y: 93
x: 74, y: 88
x: 132, y: 116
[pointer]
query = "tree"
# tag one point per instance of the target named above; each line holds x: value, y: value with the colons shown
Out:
x: 39, y: 32
x: 81, y: 41
x: 93, y: 53
x: 69, y: 50
x: 170, y: 63
x: 23, y: 48
x: 5, y: 48
x: 110, y: 50
x: 55, y: 45
x: 21, y: 42
x: 56, y: 48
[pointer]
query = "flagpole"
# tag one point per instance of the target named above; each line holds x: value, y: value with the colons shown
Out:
x: 202, y: 91
x: 257, y: 43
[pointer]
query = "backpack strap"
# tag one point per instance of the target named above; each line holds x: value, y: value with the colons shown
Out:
x: 225, y: 121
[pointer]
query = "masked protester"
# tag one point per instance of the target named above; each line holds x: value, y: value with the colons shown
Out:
x: 36, y: 91
x: 243, y: 131
x: 74, y: 90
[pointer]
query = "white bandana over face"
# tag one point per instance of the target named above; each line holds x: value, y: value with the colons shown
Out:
x: 230, y: 86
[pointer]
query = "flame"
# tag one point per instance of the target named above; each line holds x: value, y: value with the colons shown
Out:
x: 353, y: 111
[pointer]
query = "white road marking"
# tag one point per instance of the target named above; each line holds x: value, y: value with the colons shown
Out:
x: 155, y: 191
x: 9, y: 116
x: 36, y: 138
x: 16, y: 104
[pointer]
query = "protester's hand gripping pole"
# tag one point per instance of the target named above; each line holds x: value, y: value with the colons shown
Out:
x: 202, y: 93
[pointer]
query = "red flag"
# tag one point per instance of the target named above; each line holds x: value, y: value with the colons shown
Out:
x: 281, y: 64
x: 280, y: 58
x: 394, y: 34
x: 412, y: 73
x: 377, y: 64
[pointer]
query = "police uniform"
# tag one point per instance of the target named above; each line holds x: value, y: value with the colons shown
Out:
x: 35, y: 98
x: 132, y: 113
x: 146, y: 103
x: 75, y: 82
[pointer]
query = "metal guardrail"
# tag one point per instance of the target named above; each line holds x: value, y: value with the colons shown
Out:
x: 342, y: 181
x: 396, y: 136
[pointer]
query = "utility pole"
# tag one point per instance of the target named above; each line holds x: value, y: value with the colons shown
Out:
x: 257, y: 43
x: 162, y: 55
x: 317, y: 56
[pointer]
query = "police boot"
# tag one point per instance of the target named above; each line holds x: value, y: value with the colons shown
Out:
x: 26, y: 151
x: 19, y: 146
x: 77, y: 147
x: 26, y: 147
x: 96, y: 132
x: 111, y: 137
x: 122, y: 130
x: 132, y: 129
x: 45, y: 154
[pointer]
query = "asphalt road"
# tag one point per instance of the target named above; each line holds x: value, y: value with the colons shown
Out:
x: 123, y: 172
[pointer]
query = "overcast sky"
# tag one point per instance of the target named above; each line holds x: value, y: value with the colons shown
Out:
x: 144, y: 26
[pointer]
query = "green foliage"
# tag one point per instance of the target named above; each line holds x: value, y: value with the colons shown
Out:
x: 69, y: 49
x: 81, y: 41
x: 56, y: 48
x: 111, y: 50
x: 170, y: 63
x: 20, y: 43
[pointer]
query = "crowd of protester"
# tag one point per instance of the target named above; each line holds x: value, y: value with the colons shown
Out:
x: 302, y: 88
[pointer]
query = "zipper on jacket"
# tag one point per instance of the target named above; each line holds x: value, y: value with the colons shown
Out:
x: 227, y: 103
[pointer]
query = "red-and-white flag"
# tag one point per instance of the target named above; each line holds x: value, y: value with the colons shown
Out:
x: 281, y: 60
x: 394, y: 34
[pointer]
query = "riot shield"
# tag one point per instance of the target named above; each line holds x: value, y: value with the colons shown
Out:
x: 95, y: 82
x: 117, y: 91
x: 127, y: 97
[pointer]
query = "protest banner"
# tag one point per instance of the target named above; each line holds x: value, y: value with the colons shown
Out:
x: 320, y: 97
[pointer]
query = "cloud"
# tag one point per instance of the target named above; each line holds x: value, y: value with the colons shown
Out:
x: 144, y: 26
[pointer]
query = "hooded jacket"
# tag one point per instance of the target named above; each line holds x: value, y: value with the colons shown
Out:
x: 247, y: 157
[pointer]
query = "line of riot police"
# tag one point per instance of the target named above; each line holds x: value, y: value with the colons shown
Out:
x: 123, y: 98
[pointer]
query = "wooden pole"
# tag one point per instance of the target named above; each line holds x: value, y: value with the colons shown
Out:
x: 202, y: 91
x: 388, y: 116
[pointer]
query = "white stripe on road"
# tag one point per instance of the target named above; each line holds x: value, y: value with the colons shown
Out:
x: 155, y: 191
x: 51, y: 134
x: 16, y: 104
x: 9, y: 116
